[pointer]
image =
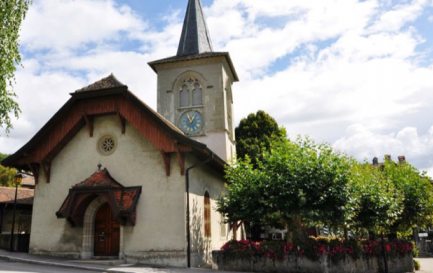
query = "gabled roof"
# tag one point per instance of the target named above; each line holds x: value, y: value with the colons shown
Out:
x: 105, y: 83
x: 195, y: 38
x: 99, y: 179
x: 122, y: 200
x: 111, y: 99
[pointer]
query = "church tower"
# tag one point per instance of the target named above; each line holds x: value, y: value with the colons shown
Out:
x: 195, y: 87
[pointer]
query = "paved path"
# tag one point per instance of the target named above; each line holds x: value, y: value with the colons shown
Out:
x: 14, y: 267
x: 14, y: 262
x: 426, y: 265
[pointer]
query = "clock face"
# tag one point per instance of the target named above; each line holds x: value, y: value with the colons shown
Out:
x: 191, y: 122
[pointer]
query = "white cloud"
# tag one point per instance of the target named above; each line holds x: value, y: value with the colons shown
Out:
x: 39, y: 97
x: 63, y: 24
x: 365, y: 144
x: 304, y: 22
x: 353, y: 77
x: 397, y: 17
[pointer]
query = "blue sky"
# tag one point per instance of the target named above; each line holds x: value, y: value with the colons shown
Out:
x: 357, y: 74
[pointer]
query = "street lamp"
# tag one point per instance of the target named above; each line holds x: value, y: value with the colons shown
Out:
x: 17, y: 181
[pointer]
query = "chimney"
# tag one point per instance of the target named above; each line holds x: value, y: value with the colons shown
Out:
x: 375, y: 161
x: 402, y: 159
x: 387, y: 157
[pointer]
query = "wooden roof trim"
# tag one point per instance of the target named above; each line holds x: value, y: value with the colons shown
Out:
x: 149, y: 124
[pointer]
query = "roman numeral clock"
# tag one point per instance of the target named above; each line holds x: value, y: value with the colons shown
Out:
x: 191, y: 122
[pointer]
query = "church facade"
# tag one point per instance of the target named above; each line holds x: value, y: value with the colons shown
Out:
x: 116, y: 179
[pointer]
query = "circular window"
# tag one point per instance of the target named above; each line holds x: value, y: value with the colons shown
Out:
x: 107, y: 145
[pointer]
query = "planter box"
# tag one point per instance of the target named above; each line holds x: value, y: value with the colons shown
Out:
x: 295, y: 264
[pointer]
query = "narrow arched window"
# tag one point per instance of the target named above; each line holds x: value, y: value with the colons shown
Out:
x: 184, y: 96
x: 207, y: 218
x: 197, y: 94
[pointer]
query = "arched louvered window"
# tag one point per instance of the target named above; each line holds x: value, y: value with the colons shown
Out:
x: 207, y: 216
x: 184, y: 96
x: 197, y: 94
x: 191, y: 93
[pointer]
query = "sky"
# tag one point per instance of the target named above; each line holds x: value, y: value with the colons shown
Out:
x: 357, y: 74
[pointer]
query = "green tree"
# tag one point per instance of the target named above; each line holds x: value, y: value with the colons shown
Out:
x: 295, y: 183
x: 3, y: 156
x: 374, y: 202
x: 255, y: 134
x: 6, y: 174
x: 417, y: 196
x: 12, y: 13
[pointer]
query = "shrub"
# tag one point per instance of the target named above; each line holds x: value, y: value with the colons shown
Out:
x: 416, y: 265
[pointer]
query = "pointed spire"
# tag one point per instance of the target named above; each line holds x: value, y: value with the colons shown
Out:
x: 195, y: 37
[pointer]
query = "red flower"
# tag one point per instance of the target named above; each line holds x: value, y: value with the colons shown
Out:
x: 388, y: 248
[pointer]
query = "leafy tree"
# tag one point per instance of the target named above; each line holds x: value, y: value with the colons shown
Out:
x: 374, y: 203
x: 3, y: 156
x: 294, y: 183
x: 7, y: 176
x: 416, y: 192
x: 255, y: 134
x: 389, y: 198
x: 12, y: 13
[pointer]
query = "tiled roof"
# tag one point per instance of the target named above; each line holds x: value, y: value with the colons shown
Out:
x: 24, y: 196
x: 98, y: 179
x: 122, y: 200
x: 106, y: 83
x: 28, y: 181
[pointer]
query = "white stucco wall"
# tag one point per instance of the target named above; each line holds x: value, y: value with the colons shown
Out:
x: 160, y: 211
x: 159, y: 236
x: 203, y: 179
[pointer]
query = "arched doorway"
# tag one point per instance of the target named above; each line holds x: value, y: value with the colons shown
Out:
x: 106, y: 233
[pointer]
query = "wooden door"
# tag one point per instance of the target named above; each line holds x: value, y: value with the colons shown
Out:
x: 107, y: 233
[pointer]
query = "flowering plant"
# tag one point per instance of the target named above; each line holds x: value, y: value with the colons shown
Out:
x: 315, y: 248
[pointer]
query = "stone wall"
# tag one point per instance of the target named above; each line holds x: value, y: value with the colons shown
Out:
x: 295, y: 264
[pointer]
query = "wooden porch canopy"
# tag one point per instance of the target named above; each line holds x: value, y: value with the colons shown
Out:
x: 107, y: 97
x: 122, y: 200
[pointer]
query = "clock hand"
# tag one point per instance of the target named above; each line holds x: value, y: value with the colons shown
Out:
x: 193, y: 117
x: 189, y: 118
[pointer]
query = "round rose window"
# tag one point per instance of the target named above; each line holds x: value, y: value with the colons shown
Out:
x: 107, y: 145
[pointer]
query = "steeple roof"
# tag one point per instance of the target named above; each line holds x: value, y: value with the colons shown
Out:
x: 195, y: 37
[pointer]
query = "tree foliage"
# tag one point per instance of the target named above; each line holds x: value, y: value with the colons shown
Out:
x: 6, y: 174
x: 374, y: 202
x: 255, y: 134
x: 302, y: 182
x: 416, y: 192
x: 3, y: 156
x: 12, y: 13
x: 389, y: 198
x: 294, y: 181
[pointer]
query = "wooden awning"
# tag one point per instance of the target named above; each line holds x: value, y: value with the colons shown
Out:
x: 122, y: 200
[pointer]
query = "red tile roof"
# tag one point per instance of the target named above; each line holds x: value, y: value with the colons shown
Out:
x: 122, y: 200
x: 99, y: 179
x: 25, y: 196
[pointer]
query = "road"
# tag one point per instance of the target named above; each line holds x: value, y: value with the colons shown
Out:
x: 12, y: 267
x: 426, y: 265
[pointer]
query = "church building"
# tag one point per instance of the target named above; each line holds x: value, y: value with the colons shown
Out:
x: 116, y: 179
